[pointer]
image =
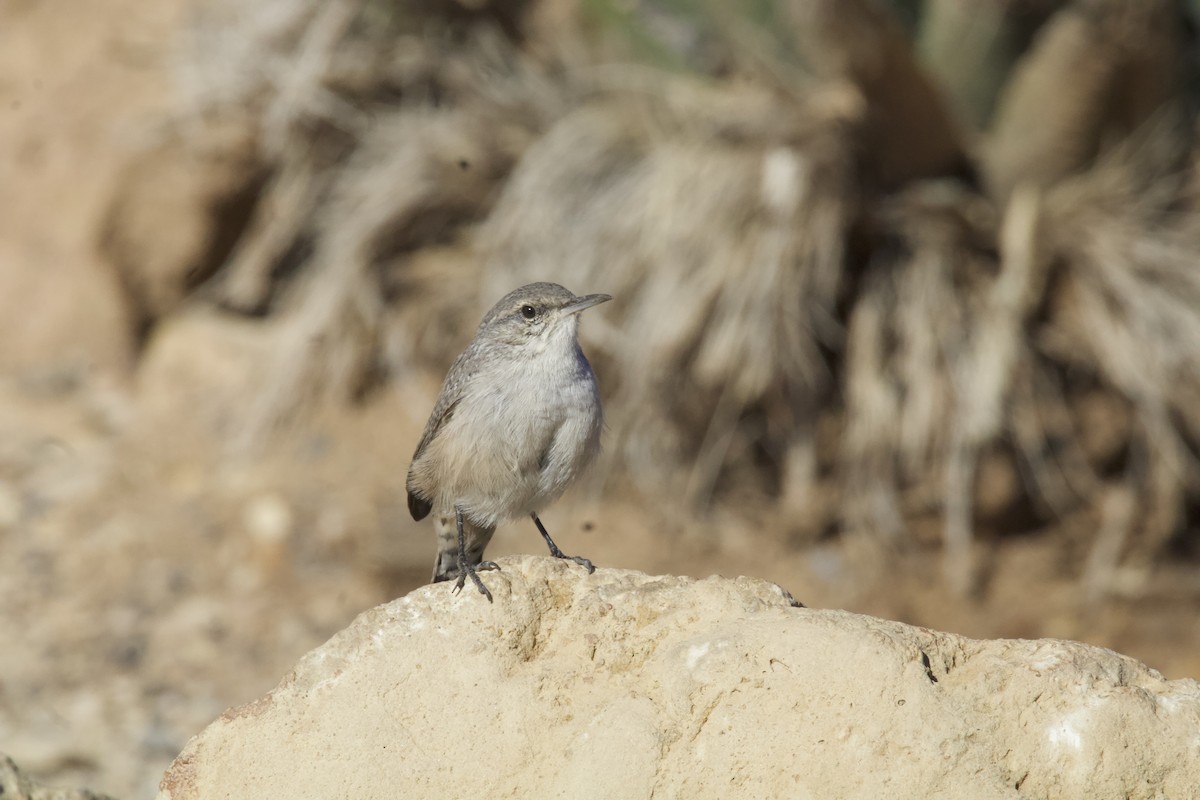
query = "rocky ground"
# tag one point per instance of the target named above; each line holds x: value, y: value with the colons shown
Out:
x: 620, y: 684
x: 151, y: 581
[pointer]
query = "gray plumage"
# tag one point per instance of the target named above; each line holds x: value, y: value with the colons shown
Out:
x: 517, y: 419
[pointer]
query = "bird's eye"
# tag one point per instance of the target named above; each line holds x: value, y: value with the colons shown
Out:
x: 528, y: 312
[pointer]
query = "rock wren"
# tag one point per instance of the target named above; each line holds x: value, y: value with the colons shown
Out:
x: 517, y: 419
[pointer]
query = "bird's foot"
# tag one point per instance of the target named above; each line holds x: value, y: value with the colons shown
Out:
x: 554, y: 551
x: 580, y: 560
x: 466, y: 570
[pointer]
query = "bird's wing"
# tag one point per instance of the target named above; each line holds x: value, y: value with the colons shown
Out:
x: 442, y: 412
x: 419, y: 504
x: 418, y: 507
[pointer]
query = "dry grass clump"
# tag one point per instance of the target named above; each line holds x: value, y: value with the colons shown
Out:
x: 724, y: 252
x: 817, y: 301
x: 920, y: 393
x: 384, y: 129
x: 1096, y: 72
x: 1057, y: 342
x: 1127, y: 314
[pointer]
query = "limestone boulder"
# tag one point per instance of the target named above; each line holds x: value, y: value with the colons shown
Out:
x: 625, y: 685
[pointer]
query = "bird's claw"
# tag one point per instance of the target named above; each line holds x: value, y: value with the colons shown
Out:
x: 583, y: 562
x: 580, y: 560
x: 464, y: 571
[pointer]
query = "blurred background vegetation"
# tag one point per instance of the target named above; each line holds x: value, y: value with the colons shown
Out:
x: 907, y: 317
x: 864, y: 256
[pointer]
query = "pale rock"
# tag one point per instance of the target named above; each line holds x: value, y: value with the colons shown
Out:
x: 623, y: 685
x: 200, y: 373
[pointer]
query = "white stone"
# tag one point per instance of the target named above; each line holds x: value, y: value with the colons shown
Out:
x: 623, y: 685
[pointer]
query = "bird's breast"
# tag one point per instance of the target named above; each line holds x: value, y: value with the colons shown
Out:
x: 521, y: 432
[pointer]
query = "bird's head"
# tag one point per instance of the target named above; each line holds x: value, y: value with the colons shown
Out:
x: 536, y: 317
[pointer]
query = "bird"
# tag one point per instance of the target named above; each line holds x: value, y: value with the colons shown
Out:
x: 518, y: 418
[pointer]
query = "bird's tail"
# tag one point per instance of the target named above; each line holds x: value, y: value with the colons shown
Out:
x: 445, y: 566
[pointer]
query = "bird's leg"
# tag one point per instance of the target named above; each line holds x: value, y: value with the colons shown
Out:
x: 554, y: 551
x: 464, y: 567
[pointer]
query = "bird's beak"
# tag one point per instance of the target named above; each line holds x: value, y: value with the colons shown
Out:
x: 586, y: 302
